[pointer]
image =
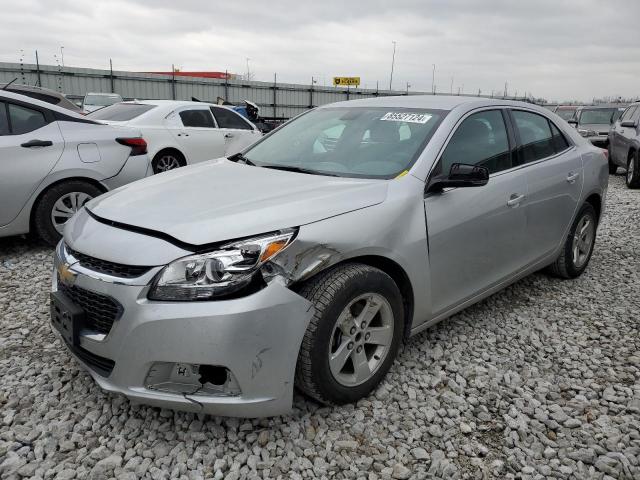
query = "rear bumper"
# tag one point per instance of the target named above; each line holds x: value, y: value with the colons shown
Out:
x: 135, y: 168
x: 601, y: 141
x: 257, y: 338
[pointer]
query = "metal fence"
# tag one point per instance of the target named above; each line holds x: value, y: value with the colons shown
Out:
x: 277, y: 100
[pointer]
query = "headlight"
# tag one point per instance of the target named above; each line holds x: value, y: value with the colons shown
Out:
x: 587, y: 133
x: 220, y: 272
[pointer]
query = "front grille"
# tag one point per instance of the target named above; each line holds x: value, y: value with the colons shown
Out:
x: 101, y: 365
x: 106, y: 267
x: 100, y: 311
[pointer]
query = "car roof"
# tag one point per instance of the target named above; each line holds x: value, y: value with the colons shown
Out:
x: 39, y: 103
x: 171, y: 103
x: 435, y: 102
x: 106, y: 94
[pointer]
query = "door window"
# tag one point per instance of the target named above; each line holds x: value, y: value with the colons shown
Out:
x: 628, y: 113
x: 4, y: 122
x: 25, y: 120
x: 635, y: 115
x: 228, y: 119
x: 197, y: 118
x: 536, y: 141
x: 560, y: 143
x: 481, y: 139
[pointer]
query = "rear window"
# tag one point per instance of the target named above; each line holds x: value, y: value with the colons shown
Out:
x: 102, y: 100
x: 121, y: 112
x: 38, y: 96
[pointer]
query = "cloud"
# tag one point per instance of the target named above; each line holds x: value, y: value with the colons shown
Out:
x: 571, y: 49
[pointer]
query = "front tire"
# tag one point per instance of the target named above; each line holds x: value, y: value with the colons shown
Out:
x: 578, y: 247
x: 354, y: 335
x: 58, y: 204
x: 633, y: 171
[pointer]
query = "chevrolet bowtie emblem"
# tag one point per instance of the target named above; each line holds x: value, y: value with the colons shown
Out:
x: 65, y: 274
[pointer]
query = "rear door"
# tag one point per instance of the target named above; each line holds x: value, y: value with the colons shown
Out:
x: 238, y: 132
x: 30, y: 146
x: 196, y: 133
x: 476, y: 235
x: 554, y: 175
x: 621, y: 136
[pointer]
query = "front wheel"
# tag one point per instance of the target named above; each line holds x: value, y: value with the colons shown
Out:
x: 633, y: 171
x: 578, y: 247
x: 354, y: 336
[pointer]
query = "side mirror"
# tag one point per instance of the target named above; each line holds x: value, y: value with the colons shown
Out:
x: 573, y: 122
x: 461, y: 175
x: 628, y: 124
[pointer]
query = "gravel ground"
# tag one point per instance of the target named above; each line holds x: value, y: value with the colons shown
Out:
x: 539, y: 381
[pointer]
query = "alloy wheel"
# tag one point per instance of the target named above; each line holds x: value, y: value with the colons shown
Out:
x: 65, y: 207
x: 361, y: 339
x: 630, y: 170
x: 583, y: 241
x: 166, y: 162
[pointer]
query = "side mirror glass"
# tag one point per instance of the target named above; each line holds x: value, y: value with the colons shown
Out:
x: 460, y: 175
x: 573, y: 122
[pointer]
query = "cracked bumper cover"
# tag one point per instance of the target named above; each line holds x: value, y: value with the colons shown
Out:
x: 256, y: 337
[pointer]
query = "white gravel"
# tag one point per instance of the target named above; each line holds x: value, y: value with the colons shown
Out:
x: 539, y: 381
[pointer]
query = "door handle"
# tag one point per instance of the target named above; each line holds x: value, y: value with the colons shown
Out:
x: 572, y: 177
x: 37, y: 143
x: 183, y: 134
x: 228, y: 135
x: 515, y: 200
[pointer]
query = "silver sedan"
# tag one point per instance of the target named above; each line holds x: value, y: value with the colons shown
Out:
x: 308, y: 259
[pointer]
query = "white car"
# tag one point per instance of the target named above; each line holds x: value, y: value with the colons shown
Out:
x: 53, y: 161
x: 94, y: 101
x: 180, y: 133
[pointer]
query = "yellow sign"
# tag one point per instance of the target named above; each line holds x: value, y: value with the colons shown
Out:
x: 346, y: 81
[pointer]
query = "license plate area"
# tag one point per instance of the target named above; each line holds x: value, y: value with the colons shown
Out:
x: 66, y: 317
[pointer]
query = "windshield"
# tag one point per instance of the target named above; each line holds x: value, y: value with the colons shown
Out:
x: 599, y: 116
x: 362, y: 142
x: 121, y: 112
x: 566, y: 113
x: 102, y: 100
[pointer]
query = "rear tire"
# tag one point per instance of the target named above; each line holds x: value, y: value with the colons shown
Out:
x: 358, y: 318
x: 578, y: 248
x: 58, y: 204
x: 633, y: 171
x: 613, y: 168
x: 166, y: 160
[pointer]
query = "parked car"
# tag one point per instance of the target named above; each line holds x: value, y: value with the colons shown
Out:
x: 566, y: 112
x: 624, y: 145
x: 232, y: 280
x: 95, y: 101
x: 43, y: 94
x: 181, y: 132
x: 52, y: 161
x: 594, y: 123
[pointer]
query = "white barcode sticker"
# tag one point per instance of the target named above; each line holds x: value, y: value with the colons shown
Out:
x: 406, y: 117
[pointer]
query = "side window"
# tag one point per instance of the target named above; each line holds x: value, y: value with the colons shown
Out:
x: 4, y: 122
x: 25, y: 120
x: 535, y: 136
x: 635, y: 115
x: 560, y: 143
x: 197, y: 118
x: 628, y: 113
x: 228, y: 119
x: 481, y: 139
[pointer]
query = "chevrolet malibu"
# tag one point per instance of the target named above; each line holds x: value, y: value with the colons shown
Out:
x: 309, y: 258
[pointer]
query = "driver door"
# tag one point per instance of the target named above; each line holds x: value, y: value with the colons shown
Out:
x: 476, y: 234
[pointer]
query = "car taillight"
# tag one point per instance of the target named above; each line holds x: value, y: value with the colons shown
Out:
x: 138, y: 145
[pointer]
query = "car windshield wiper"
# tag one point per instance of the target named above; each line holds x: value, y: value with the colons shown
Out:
x: 239, y: 157
x: 288, y: 168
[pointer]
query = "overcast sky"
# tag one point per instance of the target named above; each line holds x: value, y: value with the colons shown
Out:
x: 557, y: 49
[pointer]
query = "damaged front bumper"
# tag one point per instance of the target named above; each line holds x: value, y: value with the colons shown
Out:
x: 232, y: 357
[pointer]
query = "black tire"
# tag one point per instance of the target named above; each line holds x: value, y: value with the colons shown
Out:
x: 42, y: 222
x: 633, y: 171
x: 565, y: 266
x: 167, y: 156
x: 613, y: 168
x: 331, y: 292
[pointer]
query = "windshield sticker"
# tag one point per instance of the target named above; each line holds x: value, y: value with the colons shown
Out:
x: 406, y: 117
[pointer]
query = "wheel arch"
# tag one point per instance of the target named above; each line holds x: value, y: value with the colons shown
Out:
x: 173, y: 150
x: 595, y: 200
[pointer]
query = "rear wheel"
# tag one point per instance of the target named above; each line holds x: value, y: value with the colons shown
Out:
x: 167, y: 160
x: 57, y: 206
x: 354, y: 336
x: 633, y: 171
x: 578, y: 247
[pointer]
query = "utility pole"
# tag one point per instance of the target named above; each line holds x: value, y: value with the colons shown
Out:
x: 451, y: 91
x: 433, y: 80
x: 111, y: 75
x: 38, y: 69
x: 505, y: 89
x: 393, y: 61
x: 62, y: 55
x: 248, y: 71
x: 408, y: 85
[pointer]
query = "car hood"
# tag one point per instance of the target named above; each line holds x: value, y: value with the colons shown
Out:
x: 221, y: 200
